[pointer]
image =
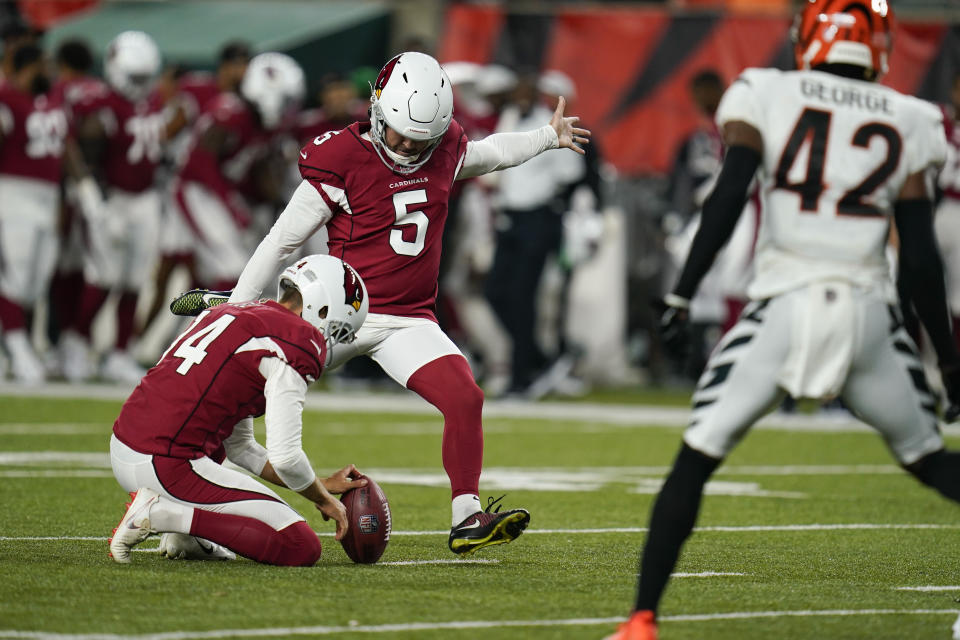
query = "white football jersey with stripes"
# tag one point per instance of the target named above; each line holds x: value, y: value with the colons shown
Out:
x: 836, y: 154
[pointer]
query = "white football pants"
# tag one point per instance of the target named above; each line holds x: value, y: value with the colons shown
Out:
x: 882, y: 379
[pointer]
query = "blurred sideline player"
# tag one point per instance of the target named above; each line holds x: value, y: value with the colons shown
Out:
x: 74, y: 84
x: 121, y: 132
x: 196, y: 406
x: 948, y: 210
x: 33, y: 132
x: 213, y: 188
x: 381, y: 188
x: 194, y: 91
x: 838, y: 156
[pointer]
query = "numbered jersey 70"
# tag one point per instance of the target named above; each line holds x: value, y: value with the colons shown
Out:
x: 387, y: 226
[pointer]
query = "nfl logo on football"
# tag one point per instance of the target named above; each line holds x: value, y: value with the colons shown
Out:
x: 368, y: 523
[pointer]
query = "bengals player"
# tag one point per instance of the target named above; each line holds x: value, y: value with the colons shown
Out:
x: 839, y: 158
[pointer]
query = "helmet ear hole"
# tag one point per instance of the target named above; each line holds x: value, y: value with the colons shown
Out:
x: 323, y: 312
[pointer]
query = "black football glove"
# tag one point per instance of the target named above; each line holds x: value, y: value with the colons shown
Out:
x: 950, y: 374
x: 675, y: 325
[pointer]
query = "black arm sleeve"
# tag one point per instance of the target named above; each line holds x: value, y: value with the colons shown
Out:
x: 720, y: 214
x: 921, y: 274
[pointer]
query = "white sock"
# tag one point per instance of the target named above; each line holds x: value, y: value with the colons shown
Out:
x: 464, y: 506
x: 167, y: 515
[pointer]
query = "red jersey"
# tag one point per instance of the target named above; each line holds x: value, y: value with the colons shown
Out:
x: 246, y: 142
x: 34, y: 128
x: 311, y: 123
x: 209, y: 378
x: 135, y: 132
x: 70, y: 93
x: 195, y: 91
x: 388, y: 226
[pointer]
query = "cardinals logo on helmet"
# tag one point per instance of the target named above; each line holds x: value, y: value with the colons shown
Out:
x: 351, y: 287
x: 385, y: 74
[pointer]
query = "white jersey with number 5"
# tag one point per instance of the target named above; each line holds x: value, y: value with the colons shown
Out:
x: 836, y: 154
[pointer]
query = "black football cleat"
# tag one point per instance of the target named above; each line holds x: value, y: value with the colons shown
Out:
x: 487, y: 528
x: 195, y: 301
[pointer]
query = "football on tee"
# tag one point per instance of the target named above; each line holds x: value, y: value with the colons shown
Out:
x: 369, y: 516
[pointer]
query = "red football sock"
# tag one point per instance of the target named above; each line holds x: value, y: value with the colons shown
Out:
x: 126, y: 311
x: 294, y: 546
x: 11, y: 315
x: 67, y: 292
x: 447, y: 383
x: 93, y: 298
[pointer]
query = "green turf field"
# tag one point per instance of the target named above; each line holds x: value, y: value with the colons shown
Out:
x: 785, y: 573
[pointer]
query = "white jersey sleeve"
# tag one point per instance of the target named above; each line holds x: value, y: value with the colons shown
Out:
x: 243, y: 449
x: 741, y: 102
x: 285, y: 391
x: 304, y: 214
x: 504, y: 150
x: 926, y: 146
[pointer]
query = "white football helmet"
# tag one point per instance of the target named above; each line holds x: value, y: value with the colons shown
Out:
x: 273, y: 83
x: 132, y: 64
x: 326, y: 282
x: 412, y: 96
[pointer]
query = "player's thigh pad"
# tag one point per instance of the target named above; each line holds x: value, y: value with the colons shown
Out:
x: 887, y: 388
x: 28, y: 242
x: 222, y: 251
x: 739, y: 383
x: 200, y: 483
x: 402, y: 345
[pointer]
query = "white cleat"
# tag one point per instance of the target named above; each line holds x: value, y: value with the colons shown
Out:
x: 121, y: 367
x: 956, y: 629
x: 134, y: 528
x: 26, y: 367
x: 179, y: 546
x: 74, y: 357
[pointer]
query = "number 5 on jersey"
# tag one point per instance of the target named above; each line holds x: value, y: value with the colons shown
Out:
x: 401, y: 201
x: 193, y: 349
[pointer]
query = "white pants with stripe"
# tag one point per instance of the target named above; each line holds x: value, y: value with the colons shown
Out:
x: 399, y: 345
x: 200, y: 483
x: 884, y: 384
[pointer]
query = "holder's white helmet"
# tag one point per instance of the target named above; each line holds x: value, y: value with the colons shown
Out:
x: 132, y: 64
x: 412, y: 96
x: 328, y: 283
x: 274, y: 84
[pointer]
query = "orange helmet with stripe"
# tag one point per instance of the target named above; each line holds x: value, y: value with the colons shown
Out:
x: 857, y: 32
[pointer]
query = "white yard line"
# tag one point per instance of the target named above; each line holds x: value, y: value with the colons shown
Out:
x: 54, y: 428
x: 706, y: 574
x: 54, y: 473
x: 410, y: 563
x: 408, y: 403
x: 453, y: 626
x: 929, y: 588
x: 711, y: 529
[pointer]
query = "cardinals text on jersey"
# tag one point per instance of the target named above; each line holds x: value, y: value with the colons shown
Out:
x: 388, y: 226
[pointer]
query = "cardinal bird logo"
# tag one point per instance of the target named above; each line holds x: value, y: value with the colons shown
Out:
x: 352, y: 289
x: 384, y: 76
